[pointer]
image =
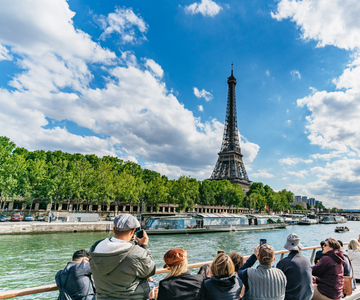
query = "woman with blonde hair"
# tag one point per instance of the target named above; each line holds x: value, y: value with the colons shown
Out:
x: 354, y: 256
x: 179, y: 284
x: 224, y: 284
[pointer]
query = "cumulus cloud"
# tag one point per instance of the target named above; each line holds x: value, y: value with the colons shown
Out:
x: 203, y: 94
x: 330, y: 22
x: 301, y: 173
x: 291, y: 161
x: 132, y: 114
x: 200, y: 108
x: 205, y: 7
x: 130, y: 27
x: 295, y: 74
x: 4, y: 53
x: 262, y: 174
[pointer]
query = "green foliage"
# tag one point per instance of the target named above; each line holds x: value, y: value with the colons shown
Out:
x: 55, y: 176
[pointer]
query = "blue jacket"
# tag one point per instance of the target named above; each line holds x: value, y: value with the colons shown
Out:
x: 227, y: 288
x: 243, y: 270
x: 77, y: 280
x: 297, y: 270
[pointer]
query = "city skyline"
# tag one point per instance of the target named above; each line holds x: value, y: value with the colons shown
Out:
x: 148, y: 83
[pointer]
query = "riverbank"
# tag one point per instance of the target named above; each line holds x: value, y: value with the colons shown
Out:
x: 44, y: 227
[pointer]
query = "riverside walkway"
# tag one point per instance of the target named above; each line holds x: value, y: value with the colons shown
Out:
x: 53, y: 287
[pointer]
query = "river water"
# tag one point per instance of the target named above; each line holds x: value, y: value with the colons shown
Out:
x: 31, y: 260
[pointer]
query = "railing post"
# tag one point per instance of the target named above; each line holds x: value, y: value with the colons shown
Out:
x: 312, y: 256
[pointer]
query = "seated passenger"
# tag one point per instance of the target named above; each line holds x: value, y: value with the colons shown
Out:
x: 319, y: 253
x: 205, y: 271
x: 354, y: 256
x: 179, y: 284
x: 237, y: 259
x: 75, y: 279
x: 264, y: 282
x: 224, y: 284
x: 348, y: 269
x: 329, y: 271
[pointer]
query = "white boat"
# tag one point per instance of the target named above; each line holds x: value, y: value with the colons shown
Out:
x: 308, y: 221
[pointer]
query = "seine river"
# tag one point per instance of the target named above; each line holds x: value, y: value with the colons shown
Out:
x: 33, y: 259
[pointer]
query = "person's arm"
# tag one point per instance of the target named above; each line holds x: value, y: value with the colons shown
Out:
x: 244, y: 278
x: 321, y: 267
x: 251, y: 260
x: 242, y: 292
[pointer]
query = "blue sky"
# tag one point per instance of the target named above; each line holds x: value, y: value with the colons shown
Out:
x: 146, y: 81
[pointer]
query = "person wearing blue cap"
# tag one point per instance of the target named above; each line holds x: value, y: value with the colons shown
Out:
x: 120, y: 267
x: 297, y: 270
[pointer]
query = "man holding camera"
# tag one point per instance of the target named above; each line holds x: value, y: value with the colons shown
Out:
x: 120, y: 267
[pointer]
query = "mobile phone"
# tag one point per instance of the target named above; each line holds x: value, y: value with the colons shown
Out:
x: 140, y: 233
x: 220, y: 251
x: 262, y: 241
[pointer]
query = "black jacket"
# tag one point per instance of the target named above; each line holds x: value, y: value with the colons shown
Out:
x: 77, y: 280
x: 228, y: 288
x: 183, y: 287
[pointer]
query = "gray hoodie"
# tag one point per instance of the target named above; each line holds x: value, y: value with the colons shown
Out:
x: 120, y: 270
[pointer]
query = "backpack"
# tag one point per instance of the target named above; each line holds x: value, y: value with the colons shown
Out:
x: 63, y: 294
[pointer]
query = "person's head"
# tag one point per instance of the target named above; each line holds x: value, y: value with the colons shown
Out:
x: 331, y: 244
x: 322, y: 244
x: 80, y: 255
x: 341, y: 243
x: 176, y: 261
x: 237, y: 259
x: 222, y: 266
x: 266, y: 255
x: 293, y: 242
x: 354, y: 245
x: 205, y: 271
x: 125, y: 226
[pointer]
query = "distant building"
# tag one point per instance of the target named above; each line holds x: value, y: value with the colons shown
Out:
x: 303, y: 204
x: 297, y: 198
x: 304, y: 199
x: 312, y: 201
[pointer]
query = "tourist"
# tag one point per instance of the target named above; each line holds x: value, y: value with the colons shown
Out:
x: 348, y: 269
x: 205, y: 271
x: 297, y: 270
x: 329, y: 271
x: 120, y: 266
x: 271, y: 280
x: 354, y: 256
x: 75, y: 279
x: 319, y: 253
x: 179, y: 284
x: 237, y: 259
x: 224, y: 284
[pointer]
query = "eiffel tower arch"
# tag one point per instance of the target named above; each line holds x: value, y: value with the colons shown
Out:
x: 230, y: 164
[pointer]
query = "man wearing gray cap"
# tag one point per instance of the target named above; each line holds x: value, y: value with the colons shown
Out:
x: 119, y: 266
x: 297, y: 270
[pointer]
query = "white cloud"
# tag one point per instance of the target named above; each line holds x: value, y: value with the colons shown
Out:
x: 133, y: 111
x: 123, y: 22
x: 155, y: 68
x: 205, y: 7
x: 267, y: 73
x: 291, y: 161
x: 200, y: 108
x: 295, y: 73
x: 4, y: 53
x: 203, y: 94
x: 301, y: 173
x: 330, y: 22
x: 262, y: 174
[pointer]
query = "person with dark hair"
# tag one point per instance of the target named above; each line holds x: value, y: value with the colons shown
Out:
x: 329, y: 271
x: 224, y: 284
x: 75, y: 279
x: 319, y: 253
x: 120, y: 266
x: 179, y: 284
x: 271, y: 280
x: 205, y: 271
x: 237, y: 259
x: 297, y: 270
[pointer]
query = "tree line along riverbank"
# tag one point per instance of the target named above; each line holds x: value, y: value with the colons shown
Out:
x: 55, y: 176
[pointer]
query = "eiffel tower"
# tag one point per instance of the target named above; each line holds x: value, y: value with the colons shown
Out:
x: 230, y: 165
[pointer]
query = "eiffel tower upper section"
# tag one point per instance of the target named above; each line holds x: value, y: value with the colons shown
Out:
x: 230, y: 165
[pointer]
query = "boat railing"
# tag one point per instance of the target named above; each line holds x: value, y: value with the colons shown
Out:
x: 53, y: 287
